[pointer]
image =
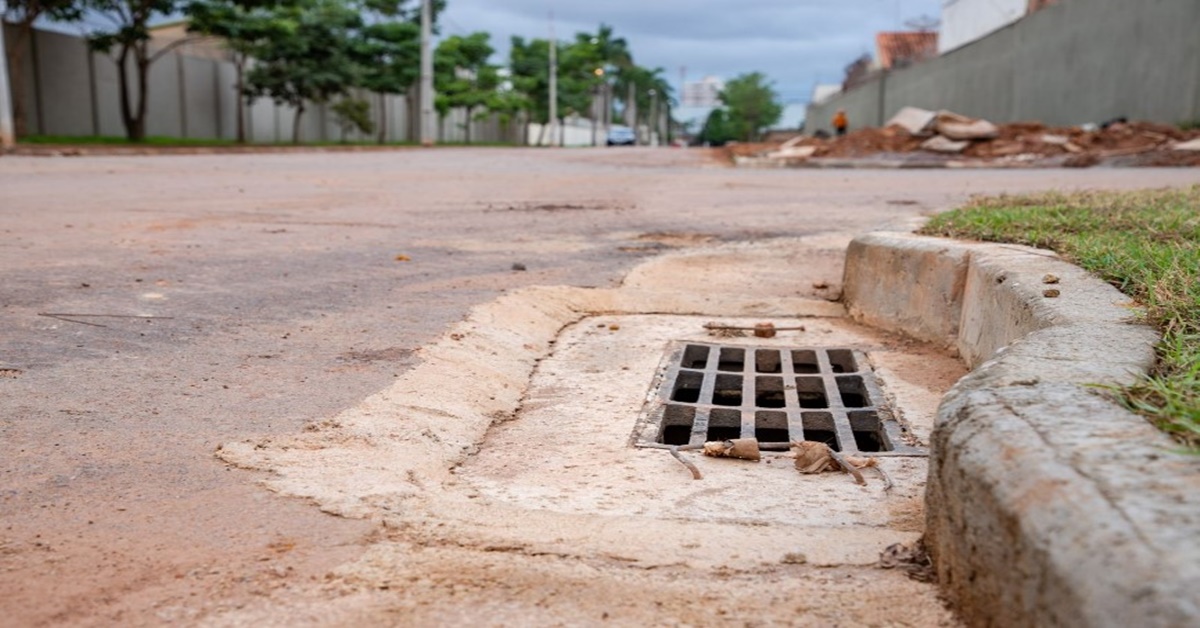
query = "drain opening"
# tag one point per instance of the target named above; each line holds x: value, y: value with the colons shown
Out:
x: 732, y: 360
x: 728, y: 391
x: 771, y: 427
x: 811, y: 392
x: 715, y: 392
x: 724, y: 425
x: 819, y: 426
x: 853, y: 392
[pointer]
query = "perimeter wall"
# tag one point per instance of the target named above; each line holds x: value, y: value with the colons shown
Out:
x: 1073, y: 62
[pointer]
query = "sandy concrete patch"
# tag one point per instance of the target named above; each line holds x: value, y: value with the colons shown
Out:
x: 502, y: 474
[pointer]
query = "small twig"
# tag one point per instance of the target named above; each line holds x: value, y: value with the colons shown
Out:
x: 55, y: 314
x: 887, y: 479
x: 1026, y: 250
x: 67, y: 320
x: 846, y: 466
x: 687, y: 463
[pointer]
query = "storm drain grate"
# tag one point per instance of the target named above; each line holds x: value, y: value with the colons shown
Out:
x: 707, y: 392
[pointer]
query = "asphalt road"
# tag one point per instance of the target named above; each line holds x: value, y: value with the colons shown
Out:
x: 152, y: 308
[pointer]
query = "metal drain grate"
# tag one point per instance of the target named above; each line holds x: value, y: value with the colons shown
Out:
x: 707, y: 392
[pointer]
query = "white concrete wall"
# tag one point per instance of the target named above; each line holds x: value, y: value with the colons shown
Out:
x: 70, y: 91
x: 1072, y: 62
x: 964, y: 21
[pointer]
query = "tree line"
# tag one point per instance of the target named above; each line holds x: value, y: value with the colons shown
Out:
x: 297, y: 52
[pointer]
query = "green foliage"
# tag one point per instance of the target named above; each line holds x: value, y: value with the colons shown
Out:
x: 578, y: 80
x: 353, y: 113
x: 717, y: 129
x: 309, y: 57
x: 462, y: 76
x: 1147, y: 244
x: 390, y: 55
x: 752, y: 105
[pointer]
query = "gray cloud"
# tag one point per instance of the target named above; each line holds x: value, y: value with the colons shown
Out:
x: 793, y: 42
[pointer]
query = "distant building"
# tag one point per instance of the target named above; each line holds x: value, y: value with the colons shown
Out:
x: 824, y: 91
x: 703, y: 93
x: 964, y: 21
x: 175, y: 34
x: 897, y: 50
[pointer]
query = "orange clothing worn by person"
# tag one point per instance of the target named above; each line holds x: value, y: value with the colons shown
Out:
x: 840, y: 122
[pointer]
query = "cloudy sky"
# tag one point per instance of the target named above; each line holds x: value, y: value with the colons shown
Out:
x: 794, y: 42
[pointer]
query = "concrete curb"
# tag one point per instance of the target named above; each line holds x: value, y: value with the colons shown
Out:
x: 1047, y: 503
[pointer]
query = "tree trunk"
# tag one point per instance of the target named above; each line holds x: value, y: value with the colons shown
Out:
x: 469, y: 124
x: 123, y: 80
x: 296, y: 123
x: 383, y: 118
x: 16, y: 52
x: 239, y: 65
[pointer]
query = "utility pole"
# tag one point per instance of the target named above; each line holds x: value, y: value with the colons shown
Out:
x: 553, y: 85
x: 6, y: 119
x: 427, y: 128
x: 654, y: 141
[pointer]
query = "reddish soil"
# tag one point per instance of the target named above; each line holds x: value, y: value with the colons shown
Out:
x: 1129, y: 144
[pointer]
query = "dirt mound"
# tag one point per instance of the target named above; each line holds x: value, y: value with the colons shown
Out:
x: 869, y: 141
x: 1118, y: 143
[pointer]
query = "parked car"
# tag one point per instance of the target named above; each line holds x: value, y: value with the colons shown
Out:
x: 621, y: 136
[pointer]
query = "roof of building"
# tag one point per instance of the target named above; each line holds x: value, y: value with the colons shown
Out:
x: 902, y: 48
x: 825, y: 91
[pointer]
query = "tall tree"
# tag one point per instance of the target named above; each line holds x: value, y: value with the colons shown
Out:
x: 130, y: 37
x: 23, y: 13
x: 752, y: 105
x: 310, y: 58
x: 463, y: 76
x: 240, y: 25
x: 388, y: 48
x: 389, y: 52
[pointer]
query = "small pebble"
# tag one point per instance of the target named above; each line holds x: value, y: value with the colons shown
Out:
x: 1050, y: 293
x: 1049, y: 278
x: 518, y: 266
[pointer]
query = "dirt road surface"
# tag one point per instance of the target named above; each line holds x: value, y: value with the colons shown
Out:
x: 152, y: 308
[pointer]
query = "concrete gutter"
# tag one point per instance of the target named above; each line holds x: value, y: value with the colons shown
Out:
x: 1047, y: 503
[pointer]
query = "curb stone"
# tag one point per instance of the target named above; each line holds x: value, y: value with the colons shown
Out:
x: 1047, y: 502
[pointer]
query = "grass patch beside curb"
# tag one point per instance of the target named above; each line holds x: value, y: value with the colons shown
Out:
x: 1147, y: 244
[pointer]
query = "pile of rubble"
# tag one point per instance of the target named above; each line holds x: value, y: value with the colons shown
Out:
x: 944, y: 136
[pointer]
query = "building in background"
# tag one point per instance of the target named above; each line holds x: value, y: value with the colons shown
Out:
x: 824, y: 91
x: 901, y: 49
x: 964, y: 21
x: 704, y: 93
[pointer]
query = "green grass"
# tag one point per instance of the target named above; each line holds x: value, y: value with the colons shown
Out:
x: 1147, y: 244
x: 109, y: 140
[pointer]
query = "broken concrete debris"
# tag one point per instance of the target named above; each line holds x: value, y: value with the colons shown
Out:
x: 947, y: 135
x: 940, y: 144
x: 1189, y: 145
x: 956, y: 127
x: 914, y: 120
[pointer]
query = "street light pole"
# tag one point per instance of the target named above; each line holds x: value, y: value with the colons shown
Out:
x: 426, y: 113
x: 654, y: 117
x: 553, y: 84
x: 6, y: 116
